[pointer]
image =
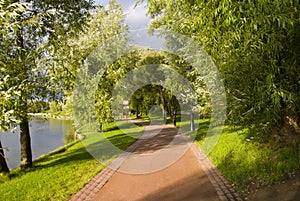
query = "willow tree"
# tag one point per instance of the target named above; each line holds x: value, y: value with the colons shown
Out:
x: 83, y: 63
x: 27, y: 27
x: 255, y: 45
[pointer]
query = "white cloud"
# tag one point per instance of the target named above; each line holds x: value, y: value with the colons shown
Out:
x: 136, y: 16
x: 138, y: 21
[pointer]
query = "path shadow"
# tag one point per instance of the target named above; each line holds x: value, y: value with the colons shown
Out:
x: 140, y: 122
x: 192, y: 188
x: 64, y: 156
x: 123, y: 141
x: 202, y: 130
x: 163, y: 138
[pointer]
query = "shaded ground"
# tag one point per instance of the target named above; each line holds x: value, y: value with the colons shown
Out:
x: 182, y: 179
x: 288, y: 190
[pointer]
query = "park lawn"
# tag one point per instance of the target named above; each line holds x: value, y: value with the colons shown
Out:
x: 63, y: 172
x: 247, y: 163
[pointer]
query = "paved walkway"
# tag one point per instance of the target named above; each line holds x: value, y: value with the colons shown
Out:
x: 162, y: 165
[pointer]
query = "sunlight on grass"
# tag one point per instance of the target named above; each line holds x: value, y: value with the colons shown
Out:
x: 247, y: 163
x: 58, y: 175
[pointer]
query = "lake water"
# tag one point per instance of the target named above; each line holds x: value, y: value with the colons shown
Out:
x: 46, y: 135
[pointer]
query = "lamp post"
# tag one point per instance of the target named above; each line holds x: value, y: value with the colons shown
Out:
x: 125, y: 108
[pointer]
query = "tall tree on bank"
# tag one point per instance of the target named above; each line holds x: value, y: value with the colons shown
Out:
x: 255, y: 45
x: 8, y: 86
x: 26, y: 28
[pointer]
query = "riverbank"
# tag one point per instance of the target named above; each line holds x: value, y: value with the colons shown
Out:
x: 47, y: 134
x: 49, y: 115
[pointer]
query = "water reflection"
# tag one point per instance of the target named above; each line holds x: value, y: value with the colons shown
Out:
x: 46, y: 135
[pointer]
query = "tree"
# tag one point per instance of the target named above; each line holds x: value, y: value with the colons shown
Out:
x: 108, y: 81
x: 135, y: 102
x: 27, y: 28
x: 255, y: 45
x: 174, y: 73
x: 137, y: 75
x: 92, y: 65
x: 8, y: 83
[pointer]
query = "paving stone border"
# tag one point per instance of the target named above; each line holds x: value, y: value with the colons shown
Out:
x: 223, y: 188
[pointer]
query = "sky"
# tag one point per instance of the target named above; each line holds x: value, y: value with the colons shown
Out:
x: 137, y: 21
x: 135, y: 16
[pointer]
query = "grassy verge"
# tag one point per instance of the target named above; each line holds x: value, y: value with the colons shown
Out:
x: 58, y: 175
x: 56, y: 113
x: 249, y: 164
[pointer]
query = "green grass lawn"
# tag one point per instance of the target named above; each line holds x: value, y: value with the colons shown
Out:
x: 248, y: 163
x: 242, y: 159
x: 60, y: 174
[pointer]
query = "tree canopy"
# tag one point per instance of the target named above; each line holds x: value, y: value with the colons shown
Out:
x: 255, y: 45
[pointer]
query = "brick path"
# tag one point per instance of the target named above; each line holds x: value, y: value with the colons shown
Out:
x: 90, y: 190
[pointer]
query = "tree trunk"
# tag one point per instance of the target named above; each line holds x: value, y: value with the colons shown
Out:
x: 137, y: 111
x: 173, y: 109
x: 174, y: 119
x: 162, y: 99
x: 3, y: 164
x: 165, y: 115
x: 26, y: 154
x: 25, y: 141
